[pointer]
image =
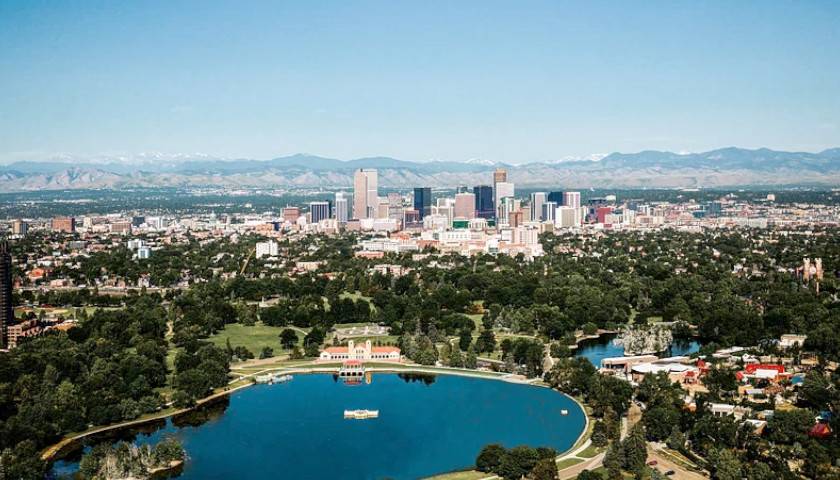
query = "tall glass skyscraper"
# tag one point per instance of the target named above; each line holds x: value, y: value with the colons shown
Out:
x: 423, y: 201
x: 484, y: 205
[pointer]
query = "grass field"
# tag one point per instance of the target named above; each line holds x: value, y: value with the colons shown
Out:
x: 253, y: 338
x: 568, y: 463
x: 589, y: 452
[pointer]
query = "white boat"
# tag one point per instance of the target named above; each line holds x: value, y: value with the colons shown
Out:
x: 282, y: 378
x: 564, y: 412
x: 263, y: 378
x: 361, y: 414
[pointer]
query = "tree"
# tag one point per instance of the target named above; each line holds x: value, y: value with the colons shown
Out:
x: 465, y: 339
x: 658, y: 421
x: 486, y: 341
x: 614, y: 460
x: 599, y: 434
x: 590, y: 475
x: 490, y: 458
x: 725, y: 465
x: 288, y: 338
x: 471, y: 360
x: 545, y: 469
x: 635, y: 450
x: 518, y: 462
x: 266, y: 352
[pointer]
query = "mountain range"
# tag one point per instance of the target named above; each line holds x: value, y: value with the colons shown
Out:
x: 726, y: 167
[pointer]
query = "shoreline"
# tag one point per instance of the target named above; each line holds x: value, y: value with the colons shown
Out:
x: 51, y: 453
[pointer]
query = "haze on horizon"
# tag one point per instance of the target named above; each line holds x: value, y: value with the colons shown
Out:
x: 502, y: 81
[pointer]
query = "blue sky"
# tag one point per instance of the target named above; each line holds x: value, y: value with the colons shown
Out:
x: 505, y: 81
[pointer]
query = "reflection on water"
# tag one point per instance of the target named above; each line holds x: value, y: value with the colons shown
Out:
x: 426, y: 378
x: 597, y: 349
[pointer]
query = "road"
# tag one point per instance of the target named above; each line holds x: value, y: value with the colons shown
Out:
x: 664, y: 464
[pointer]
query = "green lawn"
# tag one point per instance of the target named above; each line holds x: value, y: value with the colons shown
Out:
x: 253, y: 338
x: 589, y: 452
x: 568, y: 463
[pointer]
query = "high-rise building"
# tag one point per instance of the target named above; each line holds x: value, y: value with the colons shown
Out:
x: 465, y: 205
x: 423, y: 201
x: 556, y: 197
x: 549, y: 212
x: 291, y: 214
x: 7, y: 313
x: 266, y: 249
x: 342, y: 207
x: 571, y: 199
x: 63, y: 224
x: 20, y: 227
x: 499, y: 176
x: 320, y: 210
x: 365, y: 193
x: 503, y: 189
x: 484, y: 206
x: 537, y: 201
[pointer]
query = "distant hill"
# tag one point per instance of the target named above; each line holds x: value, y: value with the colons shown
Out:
x: 726, y: 167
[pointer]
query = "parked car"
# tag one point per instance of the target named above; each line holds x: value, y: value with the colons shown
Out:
x: 652, y: 463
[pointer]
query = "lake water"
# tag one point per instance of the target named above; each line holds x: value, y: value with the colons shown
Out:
x: 597, y: 349
x: 297, y: 430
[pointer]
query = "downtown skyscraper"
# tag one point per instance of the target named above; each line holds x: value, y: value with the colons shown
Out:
x: 423, y: 201
x: 365, y: 193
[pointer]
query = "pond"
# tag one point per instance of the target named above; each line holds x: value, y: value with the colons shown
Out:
x: 597, y: 349
x: 426, y: 425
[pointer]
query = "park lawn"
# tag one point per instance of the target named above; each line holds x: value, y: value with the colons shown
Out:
x: 463, y: 475
x: 355, y: 296
x: 568, y: 462
x: 253, y: 338
x: 589, y: 452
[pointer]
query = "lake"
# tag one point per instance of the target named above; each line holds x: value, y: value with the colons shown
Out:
x: 597, y: 349
x: 426, y: 425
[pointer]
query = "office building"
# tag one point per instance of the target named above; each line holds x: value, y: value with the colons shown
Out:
x: 291, y: 214
x: 423, y: 201
x: 266, y: 249
x: 20, y: 228
x: 365, y: 193
x: 537, y: 201
x: 571, y: 199
x: 7, y: 312
x: 465, y: 205
x: 320, y: 210
x: 549, y: 212
x: 556, y: 197
x: 121, y: 228
x: 144, y: 253
x: 503, y: 189
x: 484, y: 206
x: 63, y: 224
x: 342, y: 207
x: 499, y: 176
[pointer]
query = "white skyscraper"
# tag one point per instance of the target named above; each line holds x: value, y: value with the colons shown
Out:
x: 503, y: 189
x: 342, y: 207
x: 365, y: 193
x: 537, y: 201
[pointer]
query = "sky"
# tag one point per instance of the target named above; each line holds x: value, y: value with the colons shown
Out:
x: 495, y: 80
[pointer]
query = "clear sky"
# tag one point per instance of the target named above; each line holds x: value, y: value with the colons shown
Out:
x: 453, y: 80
